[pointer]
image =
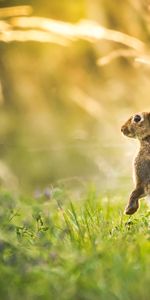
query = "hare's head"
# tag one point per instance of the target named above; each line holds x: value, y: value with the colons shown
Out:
x: 137, y: 126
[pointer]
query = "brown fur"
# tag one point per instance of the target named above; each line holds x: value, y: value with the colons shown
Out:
x: 139, y: 129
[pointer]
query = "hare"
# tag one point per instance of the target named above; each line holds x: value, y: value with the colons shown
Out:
x: 138, y: 126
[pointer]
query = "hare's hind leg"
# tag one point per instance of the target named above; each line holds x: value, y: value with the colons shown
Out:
x: 133, y: 204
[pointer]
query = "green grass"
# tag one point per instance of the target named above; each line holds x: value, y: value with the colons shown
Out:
x: 73, y: 248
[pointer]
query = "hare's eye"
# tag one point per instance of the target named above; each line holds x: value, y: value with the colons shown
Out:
x: 137, y: 118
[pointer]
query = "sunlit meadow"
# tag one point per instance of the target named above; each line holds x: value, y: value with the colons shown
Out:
x: 71, y: 72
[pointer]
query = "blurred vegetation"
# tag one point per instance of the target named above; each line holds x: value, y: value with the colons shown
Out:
x: 64, y: 98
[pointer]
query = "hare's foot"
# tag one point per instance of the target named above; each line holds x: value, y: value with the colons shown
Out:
x: 131, y: 208
x: 134, y: 200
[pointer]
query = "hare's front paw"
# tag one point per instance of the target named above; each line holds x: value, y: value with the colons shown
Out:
x: 131, y: 208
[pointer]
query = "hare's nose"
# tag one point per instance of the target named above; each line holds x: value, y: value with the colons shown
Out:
x: 122, y: 129
x: 125, y: 130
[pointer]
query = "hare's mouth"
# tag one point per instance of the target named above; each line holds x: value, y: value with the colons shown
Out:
x: 130, y: 134
x: 127, y: 132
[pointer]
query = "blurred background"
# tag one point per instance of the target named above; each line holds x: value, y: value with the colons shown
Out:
x: 67, y: 84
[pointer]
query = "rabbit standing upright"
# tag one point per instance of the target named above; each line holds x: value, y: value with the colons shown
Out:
x: 138, y: 126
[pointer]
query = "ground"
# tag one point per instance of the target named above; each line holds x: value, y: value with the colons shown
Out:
x: 73, y: 247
